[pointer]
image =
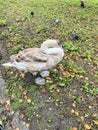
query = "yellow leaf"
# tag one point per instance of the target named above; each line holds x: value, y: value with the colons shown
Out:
x: 11, y: 72
x: 22, y: 75
x: 27, y: 125
x: 90, y: 107
x: 76, y: 113
x: 0, y: 122
x: 29, y: 100
x: 86, y: 115
x: 60, y: 78
x: 87, y: 127
x: 95, y: 122
x: 8, y: 102
x: 72, y: 111
x: 86, y: 78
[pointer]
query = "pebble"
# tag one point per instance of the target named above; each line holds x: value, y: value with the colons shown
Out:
x: 40, y: 81
x: 45, y: 74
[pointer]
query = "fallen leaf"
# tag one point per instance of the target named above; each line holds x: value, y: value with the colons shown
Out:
x: 87, y: 127
x: 76, y: 113
x: 13, y: 95
x: 27, y: 125
x: 8, y: 107
x: 44, y: 90
x: 1, y: 122
x: 29, y: 100
x: 56, y: 103
x: 67, y: 74
x: 8, y: 102
x: 25, y: 97
x: 74, y: 128
x: 97, y: 38
x: 58, y: 90
x: 95, y: 122
x: 22, y: 116
x: 89, y: 107
x: 74, y: 105
x: 22, y: 75
x: 82, y: 118
x: 20, y: 100
x: 20, y: 88
x: 7, y: 90
x: 17, y: 129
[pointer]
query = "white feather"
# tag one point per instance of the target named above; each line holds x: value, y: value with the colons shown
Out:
x: 18, y: 65
x: 8, y: 64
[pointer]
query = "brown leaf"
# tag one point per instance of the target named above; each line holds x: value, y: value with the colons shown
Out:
x: 17, y: 129
x: 20, y: 100
x: 74, y: 105
x: 82, y: 118
x: 8, y: 107
x: 13, y: 95
x: 22, y: 116
x: 74, y: 128
x: 44, y: 90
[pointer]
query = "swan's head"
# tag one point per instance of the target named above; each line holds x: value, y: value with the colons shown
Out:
x: 52, y: 43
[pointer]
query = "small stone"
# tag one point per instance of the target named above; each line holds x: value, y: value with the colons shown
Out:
x: 45, y: 74
x: 40, y: 81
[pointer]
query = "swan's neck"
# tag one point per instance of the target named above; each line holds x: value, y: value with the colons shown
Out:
x: 54, y: 51
x: 50, y: 47
x: 49, y: 44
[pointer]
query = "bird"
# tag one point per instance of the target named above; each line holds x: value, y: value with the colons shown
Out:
x: 57, y: 21
x: 32, y: 13
x: 75, y: 36
x: 35, y: 60
x: 82, y: 4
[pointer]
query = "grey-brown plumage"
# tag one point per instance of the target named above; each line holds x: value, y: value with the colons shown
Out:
x: 38, y: 59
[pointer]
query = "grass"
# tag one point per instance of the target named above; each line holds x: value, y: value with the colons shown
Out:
x: 2, y: 22
x: 72, y: 86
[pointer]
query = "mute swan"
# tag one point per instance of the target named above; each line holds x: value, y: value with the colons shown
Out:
x: 36, y: 60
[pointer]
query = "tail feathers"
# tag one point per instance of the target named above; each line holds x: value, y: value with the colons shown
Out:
x: 20, y: 65
x: 8, y: 64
